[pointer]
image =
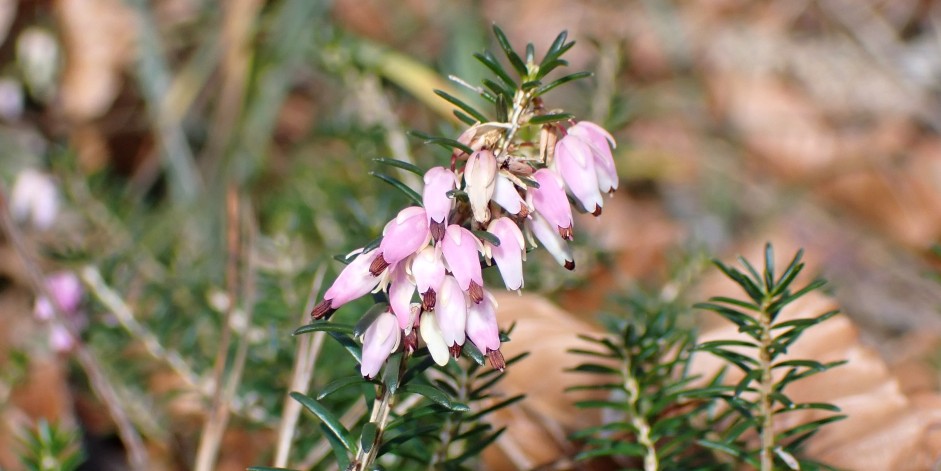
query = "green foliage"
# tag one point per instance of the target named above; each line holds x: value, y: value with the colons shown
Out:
x: 667, y: 419
x: 760, y: 395
x: 645, y: 389
x: 49, y: 447
x: 443, y: 425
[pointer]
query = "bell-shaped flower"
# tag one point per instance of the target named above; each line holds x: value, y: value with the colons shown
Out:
x: 427, y: 269
x: 67, y: 291
x: 451, y: 313
x: 402, y: 236
x: 354, y: 281
x: 434, y: 339
x: 482, y: 324
x: 460, y: 247
x: 380, y: 340
x: 550, y: 201
x: 34, y: 199
x: 601, y: 143
x: 511, y: 252
x: 479, y: 180
x: 574, y: 160
x: 438, y: 182
x: 551, y: 240
x: 401, y: 290
x: 505, y: 195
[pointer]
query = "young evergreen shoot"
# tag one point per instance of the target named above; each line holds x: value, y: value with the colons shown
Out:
x: 761, y: 396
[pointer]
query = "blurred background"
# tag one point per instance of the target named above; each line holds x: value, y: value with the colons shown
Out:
x: 197, y: 165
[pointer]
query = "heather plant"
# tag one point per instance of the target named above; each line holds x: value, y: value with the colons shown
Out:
x: 505, y: 190
x: 663, y: 417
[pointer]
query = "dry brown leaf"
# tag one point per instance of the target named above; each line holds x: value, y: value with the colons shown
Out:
x: 99, y: 38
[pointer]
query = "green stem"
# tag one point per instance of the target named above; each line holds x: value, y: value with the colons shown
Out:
x: 651, y: 461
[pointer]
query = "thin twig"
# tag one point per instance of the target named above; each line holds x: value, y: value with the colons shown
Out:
x: 211, y: 435
x: 137, y: 453
x: 308, y: 348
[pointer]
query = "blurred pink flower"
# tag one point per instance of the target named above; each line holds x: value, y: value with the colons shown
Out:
x: 451, y: 313
x: 511, y: 252
x: 483, y: 331
x: 438, y: 182
x: 460, y: 247
x: 479, y: 179
x: 34, y: 199
x: 601, y: 143
x: 380, y: 340
x: 354, y: 281
x: 550, y: 201
x: 427, y: 269
x: 402, y: 236
x: 401, y: 290
x: 551, y: 241
x: 67, y: 290
x: 574, y: 161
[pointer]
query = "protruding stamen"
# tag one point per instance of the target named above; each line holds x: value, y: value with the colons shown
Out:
x: 437, y: 230
x: 564, y: 232
x: 476, y: 292
x: 428, y: 300
x: 377, y: 265
x: 455, y: 350
x: 410, y: 341
x: 570, y: 265
x: 496, y: 359
x: 322, y: 310
x: 597, y: 211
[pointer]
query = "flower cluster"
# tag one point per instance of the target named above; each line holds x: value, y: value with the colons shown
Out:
x: 480, y: 212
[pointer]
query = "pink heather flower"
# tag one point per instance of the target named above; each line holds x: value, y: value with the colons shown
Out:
x: 505, y: 195
x: 66, y: 288
x: 354, y: 281
x: 427, y: 269
x: 574, y: 160
x: 60, y: 339
x: 434, y: 339
x: 550, y: 201
x: 34, y: 199
x: 551, y: 240
x: 402, y: 236
x: 479, y: 178
x: 451, y: 313
x: 460, y: 247
x: 380, y: 340
x: 438, y: 182
x: 511, y: 252
x: 401, y: 290
x: 482, y: 324
x: 601, y: 143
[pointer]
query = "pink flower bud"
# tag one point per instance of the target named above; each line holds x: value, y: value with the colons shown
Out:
x: 550, y: 201
x: 511, y: 252
x: 60, y: 339
x: 354, y: 281
x: 505, y: 195
x: 66, y: 288
x: 34, y: 199
x: 460, y: 247
x: 482, y: 326
x: 428, y: 270
x: 551, y: 240
x: 601, y: 143
x: 438, y: 182
x: 380, y: 340
x: 574, y: 160
x: 402, y: 236
x: 451, y: 312
x: 401, y: 290
x: 479, y: 179
x: 434, y: 339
